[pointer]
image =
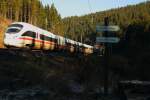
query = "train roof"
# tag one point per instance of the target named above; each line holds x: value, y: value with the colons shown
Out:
x: 34, y: 28
x: 71, y: 41
x: 88, y: 46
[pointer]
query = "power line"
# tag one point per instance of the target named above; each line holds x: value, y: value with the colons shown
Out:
x: 52, y: 1
x: 90, y: 9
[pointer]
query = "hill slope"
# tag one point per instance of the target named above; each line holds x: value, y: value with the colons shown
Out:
x: 85, y: 26
x: 3, y: 25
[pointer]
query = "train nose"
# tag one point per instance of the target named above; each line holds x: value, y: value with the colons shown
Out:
x: 12, y: 40
x: 8, y: 39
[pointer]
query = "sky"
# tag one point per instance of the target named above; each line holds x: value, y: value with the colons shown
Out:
x: 68, y: 8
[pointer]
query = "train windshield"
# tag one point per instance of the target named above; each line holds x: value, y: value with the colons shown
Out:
x: 14, y: 28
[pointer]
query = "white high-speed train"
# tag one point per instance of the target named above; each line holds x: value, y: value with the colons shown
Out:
x: 24, y: 35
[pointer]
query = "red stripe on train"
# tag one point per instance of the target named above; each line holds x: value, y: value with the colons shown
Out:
x: 41, y: 41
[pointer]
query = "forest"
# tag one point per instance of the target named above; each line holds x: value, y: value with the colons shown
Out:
x: 79, y: 28
x: 132, y: 52
x: 59, y: 74
x: 33, y: 12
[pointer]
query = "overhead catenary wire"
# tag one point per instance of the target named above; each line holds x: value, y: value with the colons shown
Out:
x: 90, y: 10
x: 90, y: 7
x: 52, y: 1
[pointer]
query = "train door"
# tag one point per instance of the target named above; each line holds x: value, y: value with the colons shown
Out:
x: 62, y: 43
x: 53, y: 41
x: 59, y: 42
x: 56, y: 42
x: 81, y: 48
x: 67, y: 45
x: 42, y: 41
x: 72, y: 48
x: 37, y: 43
x: 77, y: 47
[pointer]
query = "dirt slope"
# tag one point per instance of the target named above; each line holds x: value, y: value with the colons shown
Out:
x: 3, y: 25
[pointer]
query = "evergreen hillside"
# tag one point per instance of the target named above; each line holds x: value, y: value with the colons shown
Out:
x: 75, y: 27
x: 85, y: 26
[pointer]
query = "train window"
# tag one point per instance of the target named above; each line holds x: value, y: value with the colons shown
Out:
x: 42, y: 37
x: 46, y: 38
x: 30, y: 34
x: 12, y: 30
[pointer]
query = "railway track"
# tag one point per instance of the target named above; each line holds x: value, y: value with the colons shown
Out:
x: 56, y: 56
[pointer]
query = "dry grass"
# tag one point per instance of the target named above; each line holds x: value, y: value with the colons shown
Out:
x: 3, y: 25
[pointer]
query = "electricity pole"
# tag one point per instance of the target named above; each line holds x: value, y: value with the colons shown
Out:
x: 107, y: 40
x: 106, y: 57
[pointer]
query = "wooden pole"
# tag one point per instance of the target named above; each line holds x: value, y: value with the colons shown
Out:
x: 106, y: 57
